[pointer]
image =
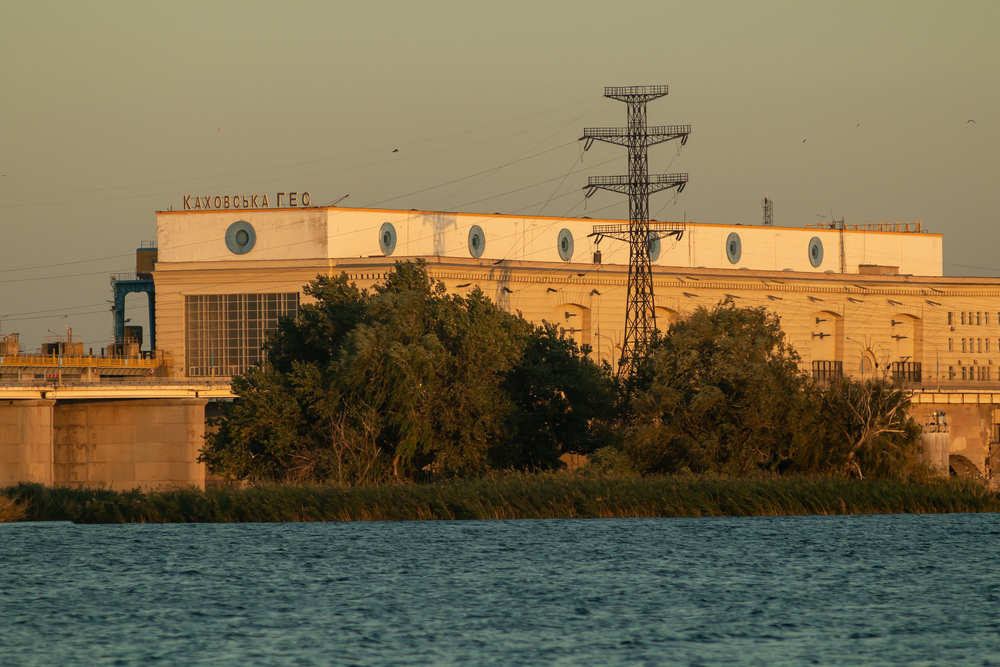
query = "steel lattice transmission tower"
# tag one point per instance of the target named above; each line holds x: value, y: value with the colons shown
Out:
x: 640, y: 316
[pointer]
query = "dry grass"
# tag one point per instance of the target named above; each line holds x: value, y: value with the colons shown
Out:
x: 11, y: 509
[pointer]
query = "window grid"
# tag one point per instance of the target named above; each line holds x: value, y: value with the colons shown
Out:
x: 224, y: 333
x: 824, y: 371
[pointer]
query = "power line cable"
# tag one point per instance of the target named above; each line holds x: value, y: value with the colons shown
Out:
x: 299, y: 164
x: 270, y: 180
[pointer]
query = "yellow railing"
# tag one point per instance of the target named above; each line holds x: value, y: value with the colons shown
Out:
x: 97, y: 362
x: 915, y: 227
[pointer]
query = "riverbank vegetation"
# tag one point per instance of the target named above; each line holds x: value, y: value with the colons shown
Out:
x: 11, y: 509
x: 515, y: 496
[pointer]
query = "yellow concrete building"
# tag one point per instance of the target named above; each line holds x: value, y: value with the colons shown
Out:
x: 223, y: 277
x: 851, y: 300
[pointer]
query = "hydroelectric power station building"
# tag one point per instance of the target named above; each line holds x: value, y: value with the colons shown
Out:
x: 852, y: 299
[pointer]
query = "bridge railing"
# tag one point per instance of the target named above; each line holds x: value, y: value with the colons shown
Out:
x: 88, y: 360
x: 52, y: 388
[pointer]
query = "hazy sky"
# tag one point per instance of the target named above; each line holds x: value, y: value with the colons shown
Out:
x: 112, y: 111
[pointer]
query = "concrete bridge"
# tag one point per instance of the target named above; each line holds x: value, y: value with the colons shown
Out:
x: 123, y: 433
x: 111, y: 434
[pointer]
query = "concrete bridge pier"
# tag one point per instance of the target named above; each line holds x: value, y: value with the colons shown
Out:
x: 26, y: 441
x: 117, y: 444
x: 130, y: 443
x: 960, y: 433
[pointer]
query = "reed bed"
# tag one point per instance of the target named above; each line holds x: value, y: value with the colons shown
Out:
x: 11, y: 510
x: 509, y: 497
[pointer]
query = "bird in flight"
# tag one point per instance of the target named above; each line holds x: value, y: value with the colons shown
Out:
x: 395, y: 150
x: 970, y: 121
x: 803, y: 141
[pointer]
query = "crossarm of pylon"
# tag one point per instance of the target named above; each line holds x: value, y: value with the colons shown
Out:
x: 613, y: 183
x: 660, y: 182
x: 652, y: 136
x: 635, y: 93
x: 619, y: 232
x: 623, y: 232
x: 660, y: 133
x: 655, y: 183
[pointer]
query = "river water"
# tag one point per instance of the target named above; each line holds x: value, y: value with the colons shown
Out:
x: 850, y: 590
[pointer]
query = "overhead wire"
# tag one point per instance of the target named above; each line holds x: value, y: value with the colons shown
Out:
x: 269, y: 180
x: 519, y: 159
x: 563, y: 127
x: 295, y: 222
x: 299, y: 164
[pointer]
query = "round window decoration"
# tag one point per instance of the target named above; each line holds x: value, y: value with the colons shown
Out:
x: 734, y: 248
x: 565, y: 245
x: 240, y: 237
x: 815, y: 251
x: 477, y: 241
x: 653, y: 245
x: 387, y: 239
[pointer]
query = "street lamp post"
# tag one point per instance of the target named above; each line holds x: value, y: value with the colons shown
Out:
x: 937, y: 362
x: 858, y: 343
x: 610, y: 342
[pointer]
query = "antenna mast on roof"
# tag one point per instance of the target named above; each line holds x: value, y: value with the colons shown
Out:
x: 768, y: 212
x: 640, y: 316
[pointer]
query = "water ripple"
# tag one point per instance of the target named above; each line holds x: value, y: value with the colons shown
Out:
x: 873, y: 590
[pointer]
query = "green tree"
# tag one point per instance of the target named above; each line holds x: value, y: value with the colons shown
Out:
x: 869, y: 431
x: 722, y: 392
x: 564, y: 403
x: 406, y: 379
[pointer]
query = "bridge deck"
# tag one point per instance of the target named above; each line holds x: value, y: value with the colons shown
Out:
x: 27, y: 390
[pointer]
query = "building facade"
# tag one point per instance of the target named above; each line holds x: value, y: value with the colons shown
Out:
x: 857, y: 301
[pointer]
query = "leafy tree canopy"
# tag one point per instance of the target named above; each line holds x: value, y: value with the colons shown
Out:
x: 407, y: 380
x: 722, y: 392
